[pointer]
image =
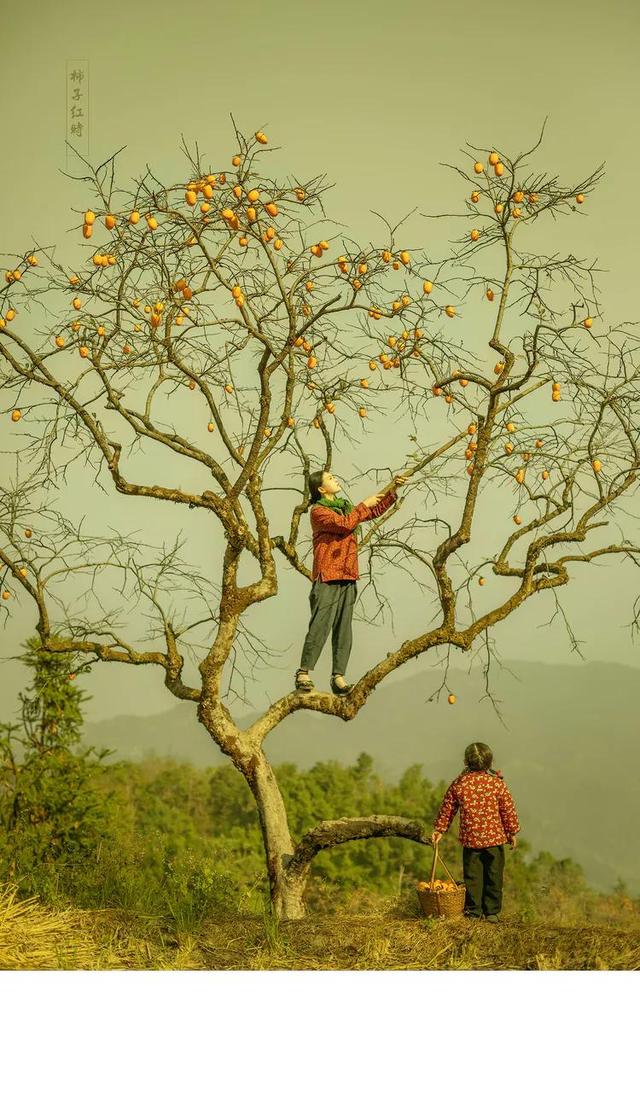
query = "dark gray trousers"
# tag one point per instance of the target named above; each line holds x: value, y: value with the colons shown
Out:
x: 331, y: 611
x: 483, y: 876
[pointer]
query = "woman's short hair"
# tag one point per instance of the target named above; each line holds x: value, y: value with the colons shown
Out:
x: 478, y: 756
x: 315, y: 481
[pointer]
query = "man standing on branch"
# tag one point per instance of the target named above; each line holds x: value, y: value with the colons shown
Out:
x: 334, y: 524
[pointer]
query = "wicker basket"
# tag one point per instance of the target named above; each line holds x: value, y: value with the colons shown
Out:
x: 441, y: 904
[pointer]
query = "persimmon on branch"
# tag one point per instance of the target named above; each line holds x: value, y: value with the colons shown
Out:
x: 301, y: 351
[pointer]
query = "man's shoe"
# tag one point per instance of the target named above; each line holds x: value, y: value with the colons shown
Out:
x: 340, y: 690
x: 470, y: 914
x: 492, y: 918
x: 304, y: 684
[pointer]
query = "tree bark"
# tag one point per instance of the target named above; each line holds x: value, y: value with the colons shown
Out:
x: 243, y: 747
x: 294, y: 867
x: 335, y: 832
x: 286, y: 892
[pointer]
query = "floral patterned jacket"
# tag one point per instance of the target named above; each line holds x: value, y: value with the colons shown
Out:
x: 487, y: 812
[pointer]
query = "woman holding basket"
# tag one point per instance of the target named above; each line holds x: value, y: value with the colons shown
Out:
x: 488, y: 819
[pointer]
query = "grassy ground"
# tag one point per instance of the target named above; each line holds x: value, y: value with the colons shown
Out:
x: 34, y: 937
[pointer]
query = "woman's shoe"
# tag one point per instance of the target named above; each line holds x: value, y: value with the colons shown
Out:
x: 304, y: 684
x: 340, y: 690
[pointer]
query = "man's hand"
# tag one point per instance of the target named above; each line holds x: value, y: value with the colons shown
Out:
x: 435, y: 837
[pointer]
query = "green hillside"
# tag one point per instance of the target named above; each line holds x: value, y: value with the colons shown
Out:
x: 568, y: 749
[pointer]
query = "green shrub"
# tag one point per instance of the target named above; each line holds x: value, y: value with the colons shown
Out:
x: 52, y: 809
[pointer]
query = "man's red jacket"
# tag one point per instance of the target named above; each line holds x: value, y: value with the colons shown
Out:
x: 335, y: 548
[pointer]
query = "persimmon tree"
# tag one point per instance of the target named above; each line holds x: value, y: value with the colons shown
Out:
x: 222, y: 337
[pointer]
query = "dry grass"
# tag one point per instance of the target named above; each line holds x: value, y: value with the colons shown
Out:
x: 410, y: 944
x: 385, y: 938
x: 33, y: 937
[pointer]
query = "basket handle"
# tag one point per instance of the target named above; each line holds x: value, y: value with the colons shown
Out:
x: 437, y: 857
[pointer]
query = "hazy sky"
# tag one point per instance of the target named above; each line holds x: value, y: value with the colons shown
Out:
x: 376, y: 96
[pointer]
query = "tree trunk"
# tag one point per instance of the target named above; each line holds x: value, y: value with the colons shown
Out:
x: 288, y: 865
x: 247, y: 756
x: 286, y: 891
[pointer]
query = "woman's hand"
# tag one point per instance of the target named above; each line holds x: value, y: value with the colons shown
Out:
x: 398, y: 480
x: 513, y: 842
x: 435, y: 837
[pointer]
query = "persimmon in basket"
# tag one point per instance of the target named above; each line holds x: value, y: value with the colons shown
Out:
x: 438, y: 885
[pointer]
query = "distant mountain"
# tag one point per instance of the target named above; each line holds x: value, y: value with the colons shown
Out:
x: 570, y: 750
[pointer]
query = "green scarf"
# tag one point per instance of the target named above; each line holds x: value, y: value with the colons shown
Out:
x: 339, y: 505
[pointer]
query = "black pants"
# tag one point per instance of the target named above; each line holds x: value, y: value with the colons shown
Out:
x: 483, y: 875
